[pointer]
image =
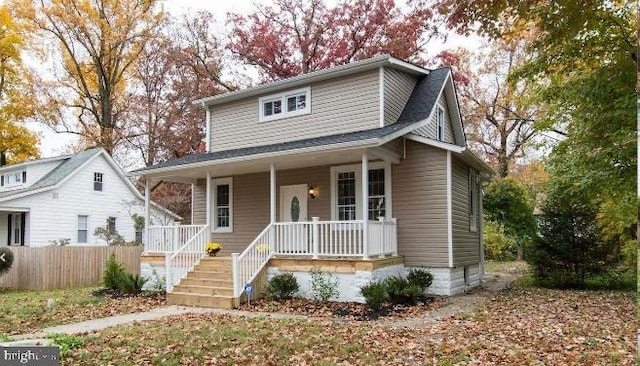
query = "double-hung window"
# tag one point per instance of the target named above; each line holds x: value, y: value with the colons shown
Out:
x: 97, y: 181
x: 473, y: 201
x: 83, y: 228
x: 222, y: 205
x: 288, y: 104
x: 347, y: 192
x: 111, y: 224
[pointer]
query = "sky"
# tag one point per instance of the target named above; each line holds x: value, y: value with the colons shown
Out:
x: 54, y: 144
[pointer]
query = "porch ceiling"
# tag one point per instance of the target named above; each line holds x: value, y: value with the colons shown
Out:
x: 283, y: 162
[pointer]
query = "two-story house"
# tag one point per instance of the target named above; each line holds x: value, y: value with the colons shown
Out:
x: 68, y: 197
x: 361, y: 170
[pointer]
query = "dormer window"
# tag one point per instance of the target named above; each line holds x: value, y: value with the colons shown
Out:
x: 288, y: 104
x: 97, y: 182
x: 13, y: 179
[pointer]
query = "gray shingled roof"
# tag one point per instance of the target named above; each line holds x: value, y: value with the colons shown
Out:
x: 56, y: 175
x: 418, y: 108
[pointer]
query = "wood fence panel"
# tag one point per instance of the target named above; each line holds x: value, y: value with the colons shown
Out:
x: 52, y: 267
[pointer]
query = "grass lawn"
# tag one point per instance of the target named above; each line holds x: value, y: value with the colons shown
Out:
x: 24, y: 311
x: 521, y: 326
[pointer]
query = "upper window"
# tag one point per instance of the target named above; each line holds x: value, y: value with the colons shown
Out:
x: 440, y: 125
x: 283, y: 105
x: 97, y: 181
x: 222, y: 205
x: 473, y: 201
x: 13, y: 179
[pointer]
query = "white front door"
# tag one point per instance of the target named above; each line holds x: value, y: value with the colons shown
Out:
x: 293, y: 209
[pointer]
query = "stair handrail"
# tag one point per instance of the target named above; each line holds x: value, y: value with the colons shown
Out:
x: 248, y: 264
x: 187, y: 259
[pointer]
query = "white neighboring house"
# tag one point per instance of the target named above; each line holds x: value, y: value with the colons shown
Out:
x: 68, y: 197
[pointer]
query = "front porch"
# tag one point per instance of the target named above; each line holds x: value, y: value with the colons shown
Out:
x: 180, y: 250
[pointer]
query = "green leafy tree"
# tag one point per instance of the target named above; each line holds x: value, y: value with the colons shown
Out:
x: 570, y: 247
x: 507, y: 203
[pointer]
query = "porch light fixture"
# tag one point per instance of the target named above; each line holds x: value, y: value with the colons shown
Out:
x: 313, y: 192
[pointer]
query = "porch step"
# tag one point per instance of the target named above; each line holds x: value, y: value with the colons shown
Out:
x: 209, y: 284
x: 204, y: 290
x: 208, y: 301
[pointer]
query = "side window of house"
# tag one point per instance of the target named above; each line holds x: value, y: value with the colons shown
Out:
x: 473, y: 204
x: 13, y: 179
x: 288, y: 104
x: 97, y: 181
x: 111, y: 224
x: 440, y: 124
x: 83, y: 227
x: 223, y: 205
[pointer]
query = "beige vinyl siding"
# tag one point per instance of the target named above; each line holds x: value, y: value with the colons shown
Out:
x: 420, y: 205
x: 397, y: 90
x: 250, y: 212
x: 466, y: 244
x: 430, y: 130
x: 251, y: 203
x: 337, y: 106
x: 199, y: 202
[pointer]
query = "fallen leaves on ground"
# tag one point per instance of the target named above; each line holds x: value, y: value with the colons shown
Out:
x: 516, y: 327
x: 342, y: 310
x: 28, y: 311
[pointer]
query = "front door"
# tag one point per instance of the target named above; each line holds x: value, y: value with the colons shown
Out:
x: 293, y: 208
x: 16, y: 228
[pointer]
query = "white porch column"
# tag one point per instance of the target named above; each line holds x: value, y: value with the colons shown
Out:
x: 208, y: 205
x: 365, y: 206
x: 272, y: 193
x: 147, y: 209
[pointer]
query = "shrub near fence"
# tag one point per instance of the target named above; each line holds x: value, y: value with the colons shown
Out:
x: 55, y: 267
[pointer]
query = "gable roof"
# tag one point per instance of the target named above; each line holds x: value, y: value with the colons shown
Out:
x: 60, y: 174
x: 417, y: 112
x: 315, y: 76
x: 55, y: 176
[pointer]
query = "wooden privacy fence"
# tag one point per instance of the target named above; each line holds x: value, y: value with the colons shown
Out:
x: 53, y: 267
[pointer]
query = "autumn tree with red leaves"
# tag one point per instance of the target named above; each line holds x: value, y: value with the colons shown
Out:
x: 294, y: 37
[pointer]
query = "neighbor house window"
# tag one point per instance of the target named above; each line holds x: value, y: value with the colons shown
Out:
x: 473, y: 205
x: 223, y: 205
x: 440, y: 125
x: 347, y: 192
x: 13, y: 179
x: 346, y: 196
x: 83, y: 228
x: 376, y: 194
x: 111, y: 224
x: 97, y: 181
x: 292, y: 103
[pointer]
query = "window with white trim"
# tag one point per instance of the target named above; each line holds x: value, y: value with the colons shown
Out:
x: 347, y: 191
x: 288, y: 104
x: 222, y: 195
x: 13, y: 179
x: 97, y: 181
x: 440, y: 124
x: 83, y: 228
x: 473, y: 204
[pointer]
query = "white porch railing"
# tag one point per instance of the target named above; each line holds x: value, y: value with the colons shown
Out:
x: 248, y: 264
x: 186, y: 257
x: 383, y: 237
x: 168, y: 239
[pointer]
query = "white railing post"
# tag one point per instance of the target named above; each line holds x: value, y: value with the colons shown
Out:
x: 394, y: 242
x: 236, y: 274
x: 167, y: 275
x: 176, y: 231
x: 316, y: 237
